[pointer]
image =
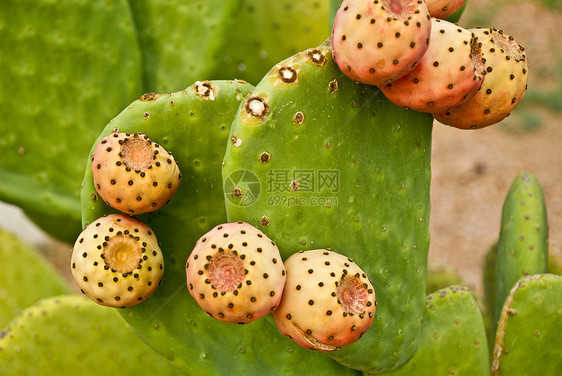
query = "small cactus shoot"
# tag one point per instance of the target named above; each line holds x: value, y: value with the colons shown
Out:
x: 116, y: 261
x: 235, y: 273
x: 133, y: 174
x: 376, y: 42
x: 328, y: 301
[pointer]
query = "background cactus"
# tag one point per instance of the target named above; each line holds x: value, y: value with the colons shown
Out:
x: 63, y: 77
x: 523, y: 242
x: 528, y: 337
x: 452, y: 339
x: 69, y: 334
x: 25, y: 277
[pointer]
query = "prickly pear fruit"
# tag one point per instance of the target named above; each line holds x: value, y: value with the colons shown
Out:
x: 449, y: 73
x: 503, y: 87
x: 443, y: 8
x: 376, y: 42
x: 116, y: 261
x: 328, y: 301
x: 235, y: 273
x: 528, y: 336
x: 133, y: 174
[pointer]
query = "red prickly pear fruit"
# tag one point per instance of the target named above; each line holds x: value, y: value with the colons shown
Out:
x: 376, y: 42
x: 503, y: 88
x: 116, y: 261
x: 133, y: 174
x: 235, y: 273
x: 450, y: 72
x: 443, y: 8
x: 328, y: 301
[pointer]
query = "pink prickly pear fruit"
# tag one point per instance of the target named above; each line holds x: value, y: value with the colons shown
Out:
x: 449, y: 73
x: 133, y: 174
x: 116, y: 261
x: 235, y: 273
x: 443, y: 8
x: 376, y: 42
x: 503, y: 88
x: 328, y: 301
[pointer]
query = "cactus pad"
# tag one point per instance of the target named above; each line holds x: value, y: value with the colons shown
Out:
x: 70, y: 335
x: 194, y: 125
x: 452, y: 339
x: 62, y: 79
x: 523, y: 242
x: 318, y: 161
x: 25, y: 277
x: 179, y: 39
x: 528, y: 339
x: 265, y: 32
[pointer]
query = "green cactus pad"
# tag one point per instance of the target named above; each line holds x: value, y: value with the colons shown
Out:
x: 523, y: 241
x: 452, y: 340
x: 439, y: 278
x: 179, y: 39
x: 265, y: 32
x: 25, y: 277
x: 528, y: 339
x: 62, y: 79
x: 318, y: 161
x: 70, y: 335
x: 195, y: 128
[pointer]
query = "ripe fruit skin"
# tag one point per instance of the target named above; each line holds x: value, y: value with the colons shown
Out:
x: 235, y: 273
x: 328, y: 301
x: 443, y: 8
x: 116, y: 261
x: 134, y: 174
x: 448, y: 74
x: 376, y: 42
x: 503, y: 88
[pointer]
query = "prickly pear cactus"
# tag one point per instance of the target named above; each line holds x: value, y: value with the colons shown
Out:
x: 179, y: 39
x: 318, y: 161
x: 184, y: 41
x: 194, y: 125
x: 62, y: 78
x: 265, y: 32
x: 25, y: 277
x: 70, y: 335
x: 528, y: 338
x: 452, y: 339
x: 523, y: 242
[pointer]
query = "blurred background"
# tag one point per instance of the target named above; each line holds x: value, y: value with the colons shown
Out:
x: 472, y: 170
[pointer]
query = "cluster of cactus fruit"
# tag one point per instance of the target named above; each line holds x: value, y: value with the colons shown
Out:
x: 311, y: 192
x: 466, y: 78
